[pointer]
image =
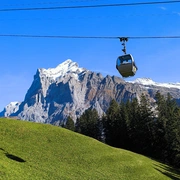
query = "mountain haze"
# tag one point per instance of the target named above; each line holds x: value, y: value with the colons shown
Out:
x: 69, y: 90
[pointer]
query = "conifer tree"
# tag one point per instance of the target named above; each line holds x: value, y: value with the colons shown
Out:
x: 88, y: 124
x: 125, y: 123
x: 167, y: 144
x: 110, y: 124
x: 172, y: 134
x: 146, y: 125
x: 160, y: 126
x: 130, y: 113
x: 70, y: 124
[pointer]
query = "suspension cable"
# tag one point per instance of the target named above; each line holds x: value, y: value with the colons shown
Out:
x: 88, y: 37
x: 91, y: 6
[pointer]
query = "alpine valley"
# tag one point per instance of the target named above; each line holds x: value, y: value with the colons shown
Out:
x: 69, y: 90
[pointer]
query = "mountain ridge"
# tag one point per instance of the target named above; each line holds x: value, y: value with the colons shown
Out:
x: 69, y: 90
x: 150, y: 82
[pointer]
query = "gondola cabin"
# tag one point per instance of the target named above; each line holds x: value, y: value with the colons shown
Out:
x: 126, y: 66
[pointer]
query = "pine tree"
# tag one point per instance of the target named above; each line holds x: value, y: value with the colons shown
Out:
x: 146, y: 125
x: 88, y: 124
x: 110, y: 123
x: 70, y: 124
x: 130, y: 113
x: 172, y: 134
x: 160, y: 127
x: 125, y: 118
x: 140, y: 125
x: 77, y: 126
x: 167, y: 145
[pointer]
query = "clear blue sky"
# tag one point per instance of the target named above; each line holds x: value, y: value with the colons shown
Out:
x: 157, y: 59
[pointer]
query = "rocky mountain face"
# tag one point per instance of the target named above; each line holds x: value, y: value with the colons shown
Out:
x: 68, y: 90
x: 10, y: 109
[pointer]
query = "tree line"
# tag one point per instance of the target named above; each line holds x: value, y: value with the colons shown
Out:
x: 138, y: 125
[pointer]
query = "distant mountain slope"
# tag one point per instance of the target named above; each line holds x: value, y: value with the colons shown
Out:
x: 69, y: 90
x: 38, y: 151
x: 149, y: 82
x: 10, y: 109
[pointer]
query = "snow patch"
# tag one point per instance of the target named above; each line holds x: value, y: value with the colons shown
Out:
x: 150, y: 82
x: 13, y: 104
x: 66, y: 67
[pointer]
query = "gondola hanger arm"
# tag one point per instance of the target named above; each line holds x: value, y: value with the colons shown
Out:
x: 124, y: 40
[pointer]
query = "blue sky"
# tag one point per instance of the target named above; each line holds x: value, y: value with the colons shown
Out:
x: 157, y: 59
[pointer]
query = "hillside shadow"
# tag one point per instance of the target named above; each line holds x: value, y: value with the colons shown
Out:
x: 170, y: 172
x: 2, y: 149
x: 15, y: 158
x: 12, y: 157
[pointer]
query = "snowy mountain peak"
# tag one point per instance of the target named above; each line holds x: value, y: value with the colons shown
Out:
x: 12, y: 104
x: 67, y: 66
x: 149, y: 82
x: 10, y: 109
x: 144, y: 81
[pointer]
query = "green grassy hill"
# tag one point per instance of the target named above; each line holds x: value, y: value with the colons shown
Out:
x: 38, y: 151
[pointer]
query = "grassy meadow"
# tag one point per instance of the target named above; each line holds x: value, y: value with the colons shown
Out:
x: 33, y: 151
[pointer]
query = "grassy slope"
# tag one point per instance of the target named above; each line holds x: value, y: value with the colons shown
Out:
x: 54, y: 153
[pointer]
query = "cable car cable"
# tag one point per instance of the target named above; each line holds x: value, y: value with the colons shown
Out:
x: 90, y: 6
x: 50, y: 3
x: 54, y: 36
x: 88, y: 37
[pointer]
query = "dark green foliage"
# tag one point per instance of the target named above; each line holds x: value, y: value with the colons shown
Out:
x: 149, y: 129
x: 145, y: 126
x: 130, y: 114
x: 129, y: 125
x: 135, y: 126
x: 88, y: 124
x: 160, y: 126
x: 168, y: 130
x: 111, y: 123
x: 70, y: 124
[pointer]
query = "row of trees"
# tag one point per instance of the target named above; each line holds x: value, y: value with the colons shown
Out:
x: 139, y: 126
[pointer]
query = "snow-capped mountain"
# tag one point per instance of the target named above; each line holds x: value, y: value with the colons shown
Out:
x: 68, y: 90
x: 67, y: 67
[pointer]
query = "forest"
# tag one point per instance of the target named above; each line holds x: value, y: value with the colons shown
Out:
x: 151, y: 129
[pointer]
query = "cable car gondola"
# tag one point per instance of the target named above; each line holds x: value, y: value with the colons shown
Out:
x: 125, y: 64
